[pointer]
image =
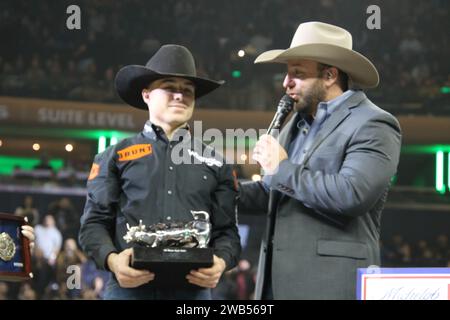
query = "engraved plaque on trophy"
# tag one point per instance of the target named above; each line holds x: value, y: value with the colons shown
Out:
x: 15, y: 256
x: 172, y: 250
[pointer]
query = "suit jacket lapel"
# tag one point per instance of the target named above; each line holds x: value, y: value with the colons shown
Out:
x: 286, y: 133
x: 334, y: 120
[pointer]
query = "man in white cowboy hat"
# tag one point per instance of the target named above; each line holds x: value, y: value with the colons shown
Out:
x: 139, y: 179
x: 328, y: 173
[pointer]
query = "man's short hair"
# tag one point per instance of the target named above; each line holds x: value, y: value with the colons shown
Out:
x: 342, y: 79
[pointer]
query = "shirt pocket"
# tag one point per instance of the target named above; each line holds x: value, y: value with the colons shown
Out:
x: 200, y: 180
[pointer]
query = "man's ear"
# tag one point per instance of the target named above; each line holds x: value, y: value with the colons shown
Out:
x: 145, y: 95
x: 331, y: 75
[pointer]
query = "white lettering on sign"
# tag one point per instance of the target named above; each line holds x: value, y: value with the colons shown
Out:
x: 59, y: 116
x: 108, y: 119
x: 83, y: 118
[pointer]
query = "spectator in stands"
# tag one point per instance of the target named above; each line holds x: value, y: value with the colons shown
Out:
x: 27, y: 292
x: 56, y: 291
x: 44, y: 274
x: 442, y: 249
x: 43, y: 163
x: 244, y: 279
x: 214, y: 37
x: 3, y: 291
x: 66, y: 216
x: 69, y: 256
x: 35, y: 76
x: 27, y: 210
x: 48, y: 239
x: 95, y: 291
x: 89, y: 274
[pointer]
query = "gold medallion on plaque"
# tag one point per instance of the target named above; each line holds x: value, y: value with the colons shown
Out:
x: 7, y: 247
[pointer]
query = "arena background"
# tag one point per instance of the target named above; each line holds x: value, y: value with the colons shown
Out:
x: 58, y: 108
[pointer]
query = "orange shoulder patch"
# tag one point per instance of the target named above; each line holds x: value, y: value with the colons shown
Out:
x: 94, y: 171
x: 134, y: 152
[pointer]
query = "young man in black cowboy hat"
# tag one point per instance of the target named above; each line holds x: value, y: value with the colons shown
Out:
x: 138, y: 179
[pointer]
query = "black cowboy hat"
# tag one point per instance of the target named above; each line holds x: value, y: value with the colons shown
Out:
x: 169, y: 61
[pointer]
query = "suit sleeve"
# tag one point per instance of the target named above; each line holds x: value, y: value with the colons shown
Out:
x: 370, y: 161
x: 225, y: 236
x: 98, y: 220
x: 253, y: 197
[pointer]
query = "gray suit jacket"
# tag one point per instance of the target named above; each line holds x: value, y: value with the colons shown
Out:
x: 324, y: 213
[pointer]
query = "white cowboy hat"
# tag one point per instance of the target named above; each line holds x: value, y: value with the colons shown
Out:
x: 328, y: 44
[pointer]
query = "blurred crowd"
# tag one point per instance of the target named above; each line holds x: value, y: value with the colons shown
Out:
x: 73, y: 174
x: 401, y: 253
x: 57, y: 257
x: 41, y: 58
x: 60, y: 270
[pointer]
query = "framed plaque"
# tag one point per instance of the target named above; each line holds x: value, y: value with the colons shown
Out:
x: 15, y: 256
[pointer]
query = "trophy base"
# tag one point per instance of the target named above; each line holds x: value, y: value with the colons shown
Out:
x: 171, y: 265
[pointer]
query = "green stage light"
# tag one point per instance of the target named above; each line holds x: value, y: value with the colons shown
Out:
x: 440, y: 187
x: 101, y: 144
x: 424, y: 149
x: 113, y: 141
x: 9, y: 163
x: 236, y: 74
x: 445, y: 90
x: 448, y: 171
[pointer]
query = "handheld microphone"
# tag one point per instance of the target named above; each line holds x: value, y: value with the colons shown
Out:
x: 285, y: 106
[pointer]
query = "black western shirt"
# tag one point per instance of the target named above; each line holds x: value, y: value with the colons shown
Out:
x: 142, y: 178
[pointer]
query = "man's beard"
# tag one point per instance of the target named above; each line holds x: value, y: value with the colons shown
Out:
x: 309, y: 100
